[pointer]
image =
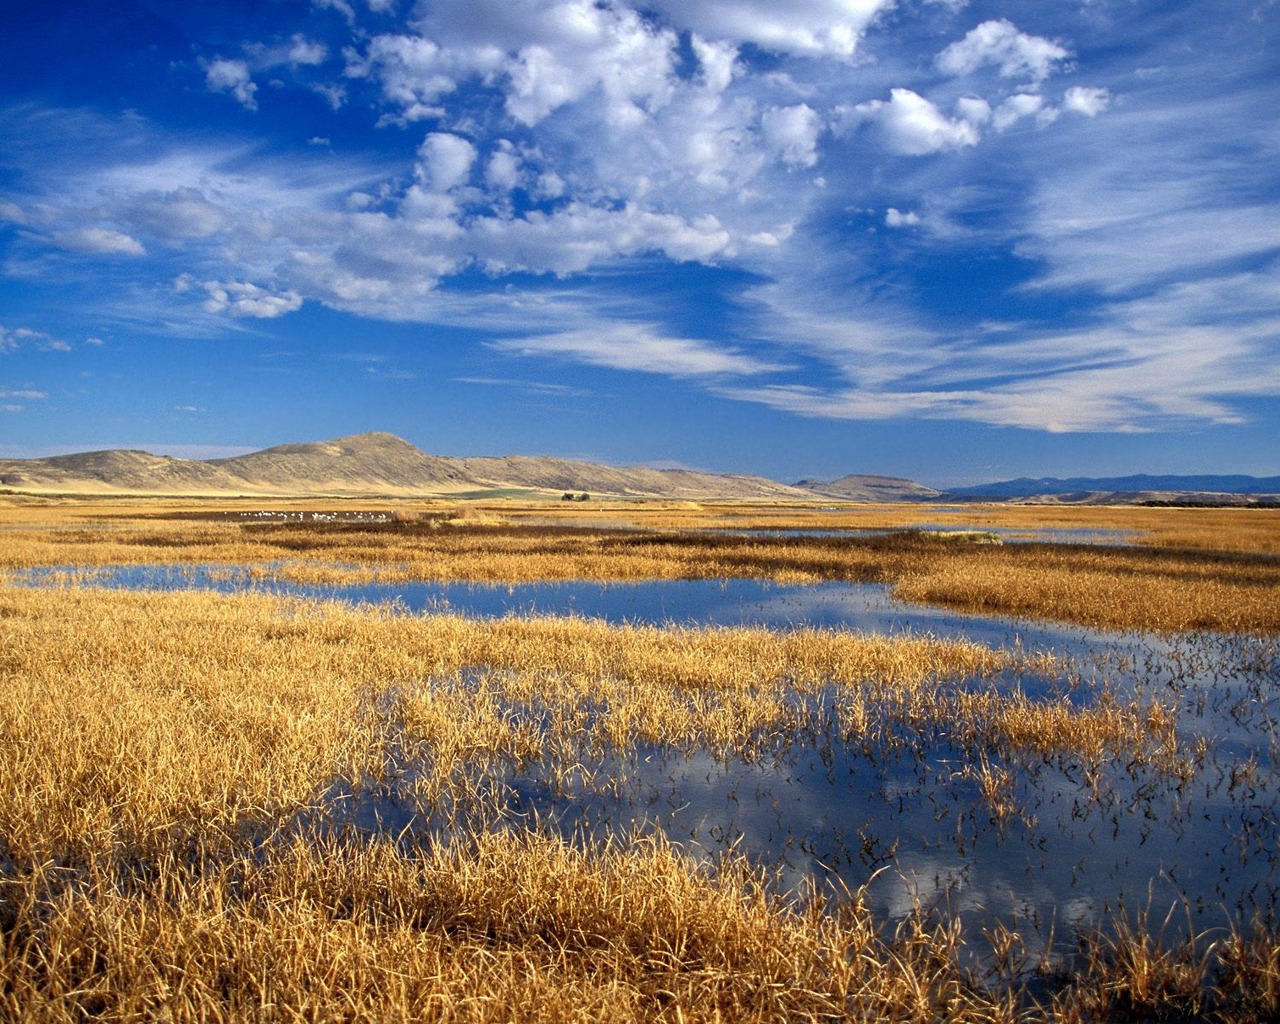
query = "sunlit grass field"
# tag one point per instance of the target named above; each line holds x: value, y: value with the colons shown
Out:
x: 176, y: 768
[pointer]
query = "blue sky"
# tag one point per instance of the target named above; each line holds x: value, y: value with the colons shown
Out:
x: 954, y: 240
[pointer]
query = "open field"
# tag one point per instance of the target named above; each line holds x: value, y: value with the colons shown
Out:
x: 254, y: 807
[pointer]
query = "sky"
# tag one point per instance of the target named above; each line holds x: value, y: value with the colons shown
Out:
x: 950, y: 240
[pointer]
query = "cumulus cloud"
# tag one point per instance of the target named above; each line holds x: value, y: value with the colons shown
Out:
x: 232, y: 76
x: 412, y: 71
x: 999, y: 44
x: 895, y: 218
x: 306, y: 51
x: 444, y: 161
x: 1086, y: 100
x: 102, y: 241
x: 793, y: 133
x: 545, y: 55
x: 12, y: 339
x: 240, y: 298
x: 809, y: 28
x: 911, y: 125
x: 503, y: 169
x: 1015, y: 108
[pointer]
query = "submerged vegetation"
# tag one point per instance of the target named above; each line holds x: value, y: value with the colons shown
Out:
x: 253, y: 807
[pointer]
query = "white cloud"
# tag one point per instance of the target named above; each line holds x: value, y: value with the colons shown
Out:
x: 719, y: 62
x: 973, y: 109
x: 639, y: 347
x: 503, y: 169
x: 1187, y: 354
x: 413, y: 72
x: 1015, y: 108
x: 912, y: 126
x: 341, y: 6
x: 23, y: 394
x: 811, y: 28
x: 298, y: 51
x: 240, y: 298
x: 1086, y: 100
x: 232, y: 76
x: 611, y: 49
x: 543, y: 55
x: 899, y: 219
x: 793, y: 133
x: 1000, y: 44
x: 334, y: 95
x: 444, y: 161
x: 306, y: 51
x: 103, y: 241
x: 175, y: 215
x: 578, y: 237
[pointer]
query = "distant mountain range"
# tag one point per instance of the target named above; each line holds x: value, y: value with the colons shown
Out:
x: 383, y: 464
x: 1141, y: 484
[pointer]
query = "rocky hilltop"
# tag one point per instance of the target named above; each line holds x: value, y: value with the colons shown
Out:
x: 378, y: 463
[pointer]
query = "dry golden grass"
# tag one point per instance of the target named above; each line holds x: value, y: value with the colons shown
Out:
x: 507, y: 927
x: 169, y: 765
x: 502, y: 928
x: 134, y: 721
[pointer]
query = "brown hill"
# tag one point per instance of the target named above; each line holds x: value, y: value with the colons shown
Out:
x: 112, y: 471
x: 569, y: 475
x: 363, y: 462
x: 862, y: 487
x: 374, y: 463
x: 377, y: 463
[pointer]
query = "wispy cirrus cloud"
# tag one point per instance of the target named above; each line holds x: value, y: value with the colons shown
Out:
x: 639, y: 347
x: 841, y: 158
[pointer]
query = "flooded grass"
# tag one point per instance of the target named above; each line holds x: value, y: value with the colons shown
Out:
x: 248, y: 805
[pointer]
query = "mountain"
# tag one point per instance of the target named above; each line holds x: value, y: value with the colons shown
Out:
x: 111, y: 471
x: 1141, y: 484
x: 862, y: 487
x: 567, y: 475
x: 383, y: 464
x: 367, y: 464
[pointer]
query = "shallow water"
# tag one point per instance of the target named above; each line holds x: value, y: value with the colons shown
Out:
x: 860, y: 607
x: 1083, y: 838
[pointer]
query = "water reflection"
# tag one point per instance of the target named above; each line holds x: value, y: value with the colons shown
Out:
x: 1070, y: 838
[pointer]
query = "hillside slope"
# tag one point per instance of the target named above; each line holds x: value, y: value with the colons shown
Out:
x: 367, y: 464
x: 864, y: 487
